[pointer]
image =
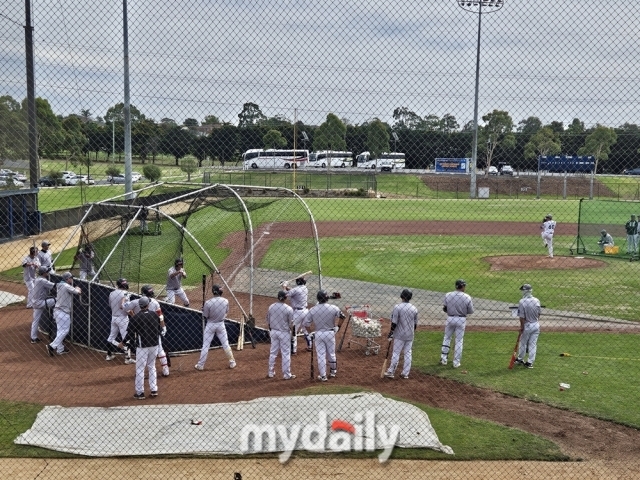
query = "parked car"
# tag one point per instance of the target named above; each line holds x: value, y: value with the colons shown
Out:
x: 21, y: 177
x: 633, y: 171
x: 116, y: 178
x: 492, y: 170
x: 10, y: 182
x: 506, y: 170
x: 135, y: 177
x: 50, y: 182
x: 86, y: 179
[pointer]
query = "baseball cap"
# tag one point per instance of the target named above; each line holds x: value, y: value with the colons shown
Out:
x: 526, y: 287
x: 460, y: 283
x: 67, y: 276
x: 45, y: 243
x: 143, y: 302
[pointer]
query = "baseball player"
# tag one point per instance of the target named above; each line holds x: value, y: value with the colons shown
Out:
x: 174, y: 283
x: 457, y: 305
x: 529, y: 313
x: 606, y: 240
x: 85, y: 258
x: 404, y: 321
x: 119, y: 320
x: 30, y: 265
x: 44, y: 256
x: 298, y: 299
x: 62, y: 313
x: 279, y: 322
x: 632, y: 235
x: 144, y: 330
x: 133, y: 307
x: 214, y: 312
x: 323, y: 316
x: 42, y: 287
x: 548, y: 227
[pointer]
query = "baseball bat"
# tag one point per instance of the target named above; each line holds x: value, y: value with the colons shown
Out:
x: 204, y: 288
x: 344, y: 334
x: 302, y: 275
x: 514, y: 355
x: 386, y: 359
x: 312, y: 349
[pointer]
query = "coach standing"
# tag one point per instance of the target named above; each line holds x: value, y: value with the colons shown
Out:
x: 457, y: 306
x: 145, y: 327
x: 30, y: 265
x: 404, y: 321
x: 279, y: 322
x: 44, y: 256
x: 214, y: 311
x: 62, y: 313
x: 41, y: 289
x: 529, y: 313
x: 324, y: 316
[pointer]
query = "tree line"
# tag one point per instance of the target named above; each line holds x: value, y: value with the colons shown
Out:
x: 81, y: 137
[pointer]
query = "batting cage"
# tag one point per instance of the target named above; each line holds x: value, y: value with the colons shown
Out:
x: 213, y: 231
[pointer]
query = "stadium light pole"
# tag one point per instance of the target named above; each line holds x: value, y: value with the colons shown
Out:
x: 128, y: 184
x: 479, y: 7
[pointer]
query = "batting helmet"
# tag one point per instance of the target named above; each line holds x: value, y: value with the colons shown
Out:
x: 406, y: 295
x: 216, y: 290
x: 178, y: 261
x: 603, y: 232
x: 548, y: 217
x: 282, y: 295
x: 460, y: 283
x: 322, y: 296
x: 301, y: 281
x: 122, y: 283
x: 42, y: 270
x: 147, y: 290
x: 66, y: 276
x: 526, y: 287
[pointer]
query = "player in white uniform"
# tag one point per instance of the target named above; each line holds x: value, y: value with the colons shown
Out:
x: 62, y: 313
x: 298, y: 299
x: 119, y: 320
x: 632, y: 235
x: 214, y: 312
x: 30, y: 265
x: 85, y: 259
x: 41, y: 289
x: 457, y: 306
x: 529, y: 313
x: 134, y: 307
x: 174, y: 283
x: 279, y: 323
x: 404, y: 321
x: 44, y: 256
x: 548, y: 227
x: 323, y: 316
x: 606, y: 240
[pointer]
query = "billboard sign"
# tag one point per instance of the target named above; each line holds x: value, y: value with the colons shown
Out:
x: 567, y: 163
x: 452, y: 165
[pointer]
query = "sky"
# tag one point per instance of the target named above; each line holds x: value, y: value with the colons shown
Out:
x: 556, y: 60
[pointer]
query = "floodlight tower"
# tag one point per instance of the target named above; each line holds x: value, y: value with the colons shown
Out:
x: 479, y: 7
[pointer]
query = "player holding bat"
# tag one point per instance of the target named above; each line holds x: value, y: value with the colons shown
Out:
x: 298, y: 299
x: 529, y: 313
x: 404, y: 321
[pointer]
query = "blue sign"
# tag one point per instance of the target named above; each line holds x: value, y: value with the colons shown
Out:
x: 452, y: 165
x: 567, y: 163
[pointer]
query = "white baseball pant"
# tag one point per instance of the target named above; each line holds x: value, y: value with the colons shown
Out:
x: 529, y: 341
x: 37, y: 315
x: 63, y: 325
x: 632, y: 243
x: 454, y: 325
x: 146, y: 358
x: 218, y: 329
x: 162, y: 356
x: 172, y: 294
x: 280, y: 343
x: 400, y: 346
x: 326, y: 346
x: 298, y: 319
x: 547, y: 238
x: 86, y: 273
x: 30, y: 284
x: 118, y: 325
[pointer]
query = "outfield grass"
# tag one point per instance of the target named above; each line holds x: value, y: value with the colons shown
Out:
x: 601, y: 370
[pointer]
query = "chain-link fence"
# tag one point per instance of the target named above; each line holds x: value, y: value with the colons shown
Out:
x: 381, y: 180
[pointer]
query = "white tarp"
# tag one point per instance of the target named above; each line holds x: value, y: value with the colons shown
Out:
x: 7, y: 298
x: 361, y: 422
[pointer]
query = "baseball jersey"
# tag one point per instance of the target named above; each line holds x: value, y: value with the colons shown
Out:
x: 323, y: 316
x: 116, y: 302
x: 405, y: 317
x: 30, y: 265
x: 64, y: 297
x: 145, y: 328
x: 86, y: 261
x: 529, y: 309
x: 132, y: 306
x: 174, y: 282
x: 41, y: 291
x: 458, y: 304
x: 632, y: 227
x: 45, y: 258
x: 606, y: 239
x: 298, y: 296
x: 215, y: 309
x: 549, y: 227
x: 280, y: 317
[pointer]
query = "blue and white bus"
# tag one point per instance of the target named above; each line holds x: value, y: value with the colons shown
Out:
x: 274, y: 158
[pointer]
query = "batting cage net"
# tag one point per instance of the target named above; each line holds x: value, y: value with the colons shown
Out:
x: 257, y: 239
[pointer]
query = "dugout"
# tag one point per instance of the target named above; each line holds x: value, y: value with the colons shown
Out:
x: 19, y: 215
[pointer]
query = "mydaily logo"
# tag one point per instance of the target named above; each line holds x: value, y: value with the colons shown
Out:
x: 339, y: 435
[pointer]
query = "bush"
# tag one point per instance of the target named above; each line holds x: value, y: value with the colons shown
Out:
x: 112, y: 171
x: 152, y: 173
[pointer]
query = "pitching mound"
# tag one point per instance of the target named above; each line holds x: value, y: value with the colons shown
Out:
x: 538, y: 262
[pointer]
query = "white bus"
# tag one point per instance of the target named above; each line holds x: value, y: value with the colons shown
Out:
x: 387, y: 162
x: 330, y: 158
x: 272, y: 158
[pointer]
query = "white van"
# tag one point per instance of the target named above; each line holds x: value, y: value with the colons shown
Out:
x: 330, y: 158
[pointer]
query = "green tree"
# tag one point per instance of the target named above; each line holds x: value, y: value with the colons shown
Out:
x: 223, y: 143
x: 529, y: 126
x: 377, y: 138
x: 405, y: 119
x: 276, y: 122
x: 56, y: 176
x: 189, y: 166
x: 598, y: 143
x: 177, y: 142
x: 112, y: 171
x: 50, y: 132
x: 496, y: 131
x: 74, y: 140
x: 211, y: 120
x: 330, y: 135
x: 250, y: 116
x: 152, y: 173
x: 13, y: 129
x: 273, y: 139
x: 190, y: 122
x: 116, y: 114
x: 448, y: 124
x: 576, y: 127
x: 431, y: 123
x: 544, y: 142
x: 556, y: 126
